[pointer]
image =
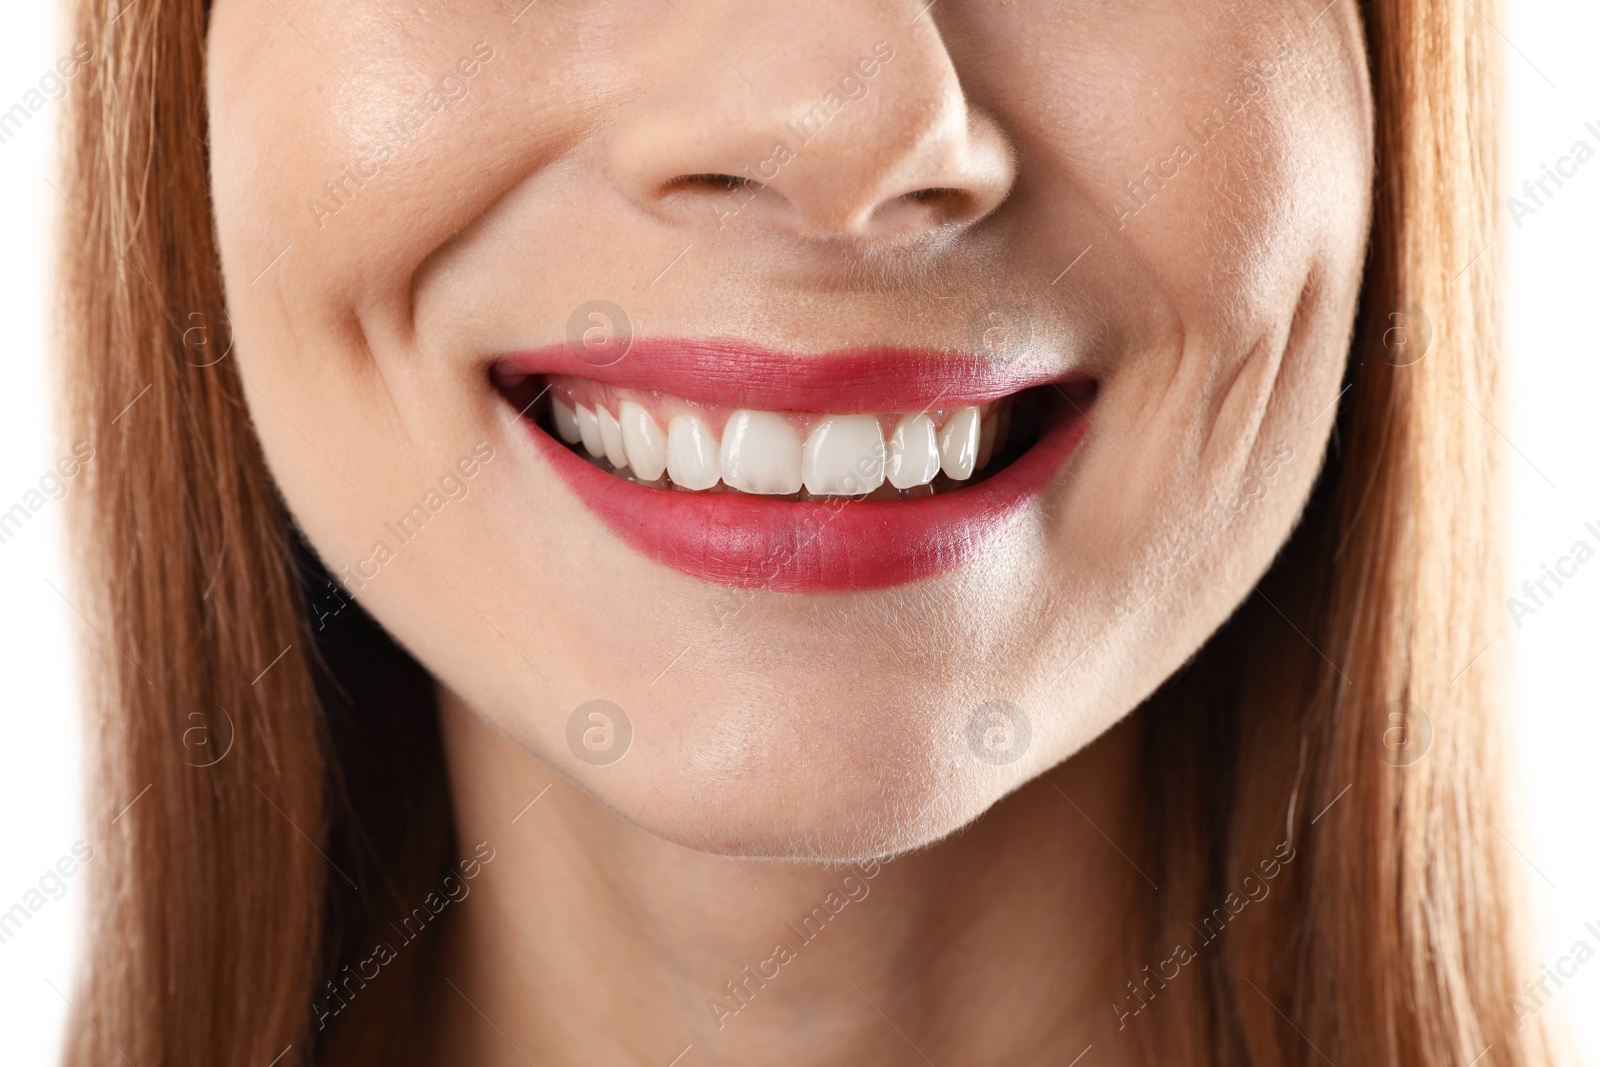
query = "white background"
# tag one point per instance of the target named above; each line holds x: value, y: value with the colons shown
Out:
x: 1549, y: 434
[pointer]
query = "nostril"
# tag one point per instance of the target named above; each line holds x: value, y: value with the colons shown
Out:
x: 915, y: 211
x: 712, y: 182
x: 932, y: 206
x: 725, y: 196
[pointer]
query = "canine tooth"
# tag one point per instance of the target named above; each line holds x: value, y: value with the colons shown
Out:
x: 986, y: 428
x: 958, y: 443
x: 843, y: 455
x: 692, y: 460
x: 761, y: 453
x: 565, y: 420
x: 589, y: 431
x: 644, y: 440
x: 913, y: 452
x: 611, y: 438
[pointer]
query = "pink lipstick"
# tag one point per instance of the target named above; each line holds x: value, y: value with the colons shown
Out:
x: 852, y: 470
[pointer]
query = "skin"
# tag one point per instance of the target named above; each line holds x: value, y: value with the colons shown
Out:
x: 777, y: 737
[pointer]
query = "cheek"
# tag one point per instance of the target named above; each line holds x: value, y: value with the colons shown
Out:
x: 1224, y: 203
x: 335, y: 175
x: 1230, y: 157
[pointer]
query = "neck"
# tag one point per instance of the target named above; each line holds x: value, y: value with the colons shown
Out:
x: 588, y: 940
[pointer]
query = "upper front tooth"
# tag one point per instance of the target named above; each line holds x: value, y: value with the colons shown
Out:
x: 761, y: 453
x: 958, y: 443
x: 589, y: 430
x: 611, y: 438
x: 913, y: 452
x: 565, y: 420
x: 644, y: 440
x: 844, y: 455
x: 986, y: 439
x: 692, y: 458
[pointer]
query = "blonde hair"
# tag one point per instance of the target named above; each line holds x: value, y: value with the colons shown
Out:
x: 226, y: 900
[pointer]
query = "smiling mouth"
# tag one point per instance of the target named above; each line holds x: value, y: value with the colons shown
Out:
x: 662, y: 441
x: 854, y: 470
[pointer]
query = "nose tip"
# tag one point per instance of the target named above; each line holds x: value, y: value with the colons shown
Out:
x: 902, y: 155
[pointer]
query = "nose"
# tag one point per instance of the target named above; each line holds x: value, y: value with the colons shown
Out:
x: 861, y: 129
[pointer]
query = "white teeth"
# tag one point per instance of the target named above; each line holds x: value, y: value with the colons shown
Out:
x: 761, y: 453
x: 589, y: 431
x: 692, y: 460
x: 913, y: 452
x: 986, y: 441
x: 958, y: 443
x: 611, y: 438
x: 566, y: 421
x: 844, y: 456
x: 645, y: 441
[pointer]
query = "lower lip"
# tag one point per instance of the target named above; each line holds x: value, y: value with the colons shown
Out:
x: 815, y: 546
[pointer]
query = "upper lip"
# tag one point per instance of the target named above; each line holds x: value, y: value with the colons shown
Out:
x: 743, y: 375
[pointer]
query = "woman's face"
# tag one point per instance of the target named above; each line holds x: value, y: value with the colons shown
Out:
x: 816, y: 254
